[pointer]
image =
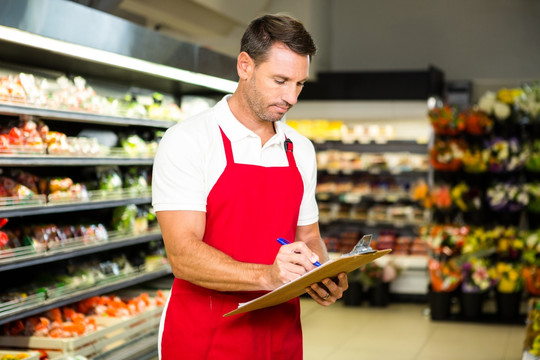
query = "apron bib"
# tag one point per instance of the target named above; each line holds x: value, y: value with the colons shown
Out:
x: 248, y: 208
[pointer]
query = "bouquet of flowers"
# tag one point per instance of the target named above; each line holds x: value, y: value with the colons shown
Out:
x: 507, y: 196
x: 445, y: 120
x: 444, y: 240
x: 445, y: 274
x: 498, y: 104
x: 465, y: 197
x: 445, y: 155
x: 507, y: 276
x: 532, y: 151
x: 528, y: 100
x: 510, y: 244
x: 505, y: 155
x: 475, y: 275
x: 440, y: 197
x: 475, y: 160
x: 477, y: 122
x: 533, y: 190
x: 531, y: 262
x: 479, y: 240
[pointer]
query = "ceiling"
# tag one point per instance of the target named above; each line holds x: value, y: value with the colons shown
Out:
x: 214, y: 24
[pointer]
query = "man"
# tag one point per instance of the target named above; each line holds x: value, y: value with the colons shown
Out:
x: 226, y: 184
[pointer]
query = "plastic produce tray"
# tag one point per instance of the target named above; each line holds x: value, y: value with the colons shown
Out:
x: 33, y: 355
x: 112, y: 332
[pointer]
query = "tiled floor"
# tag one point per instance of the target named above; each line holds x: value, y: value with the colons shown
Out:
x: 401, y: 331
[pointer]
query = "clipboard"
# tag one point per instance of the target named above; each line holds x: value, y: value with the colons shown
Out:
x: 359, y: 256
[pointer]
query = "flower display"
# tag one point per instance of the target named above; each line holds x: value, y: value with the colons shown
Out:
x: 446, y: 120
x: 510, y: 244
x: 479, y: 240
x: 440, y: 197
x: 507, y: 196
x: 533, y: 190
x: 465, y: 197
x: 446, y: 155
x: 498, y: 104
x: 475, y: 276
x: 528, y: 100
x: 531, y: 262
x: 445, y: 275
x: 477, y: 122
x: 475, y: 160
x: 444, y: 240
x: 507, y: 277
x: 505, y: 155
x: 532, y: 151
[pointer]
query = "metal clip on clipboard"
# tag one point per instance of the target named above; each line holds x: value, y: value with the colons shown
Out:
x: 363, y: 247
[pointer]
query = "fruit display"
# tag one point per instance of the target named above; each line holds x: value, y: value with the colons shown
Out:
x: 79, y: 318
x: 82, y: 274
x: 17, y: 355
x: 76, y: 95
x: 29, y: 136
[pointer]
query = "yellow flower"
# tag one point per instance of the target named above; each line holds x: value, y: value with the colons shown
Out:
x: 508, y: 96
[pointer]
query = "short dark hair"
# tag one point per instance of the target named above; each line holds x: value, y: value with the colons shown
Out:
x: 264, y: 31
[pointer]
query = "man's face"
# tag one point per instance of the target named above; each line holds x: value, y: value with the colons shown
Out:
x: 275, y: 84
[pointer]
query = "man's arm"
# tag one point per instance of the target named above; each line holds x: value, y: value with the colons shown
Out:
x: 334, y: 288
x: 193, y: 260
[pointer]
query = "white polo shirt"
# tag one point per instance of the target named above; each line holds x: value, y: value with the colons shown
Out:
x: 190, y: 159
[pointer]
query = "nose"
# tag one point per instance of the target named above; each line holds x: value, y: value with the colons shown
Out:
x: 290, y: 94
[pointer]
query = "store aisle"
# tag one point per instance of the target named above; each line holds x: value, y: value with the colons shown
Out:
x: 401, y: 331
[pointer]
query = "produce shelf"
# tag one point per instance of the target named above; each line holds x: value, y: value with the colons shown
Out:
x: 74, y: 296
x: 52, y: 160
x: 27, y: 256
x: 74, y: 116
x: 120, y: 337
x: 92, y: 203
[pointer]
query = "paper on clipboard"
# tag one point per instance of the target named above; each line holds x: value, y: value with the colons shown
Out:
x: 298, y: 286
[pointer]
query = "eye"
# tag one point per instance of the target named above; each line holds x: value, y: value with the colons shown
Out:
x: 280, y: 82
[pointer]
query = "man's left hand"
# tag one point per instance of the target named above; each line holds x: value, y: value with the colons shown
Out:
x: 328, y: 291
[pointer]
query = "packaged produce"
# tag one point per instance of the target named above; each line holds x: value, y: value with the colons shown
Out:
x: 109, y: 178
x: 124, y: 218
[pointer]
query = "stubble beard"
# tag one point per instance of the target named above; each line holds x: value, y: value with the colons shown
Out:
x: 256, y: 103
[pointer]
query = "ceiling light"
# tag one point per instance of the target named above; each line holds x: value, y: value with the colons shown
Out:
x: 112, y: 59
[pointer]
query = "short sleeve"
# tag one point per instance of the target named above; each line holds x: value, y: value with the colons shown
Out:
x: 178, y: 181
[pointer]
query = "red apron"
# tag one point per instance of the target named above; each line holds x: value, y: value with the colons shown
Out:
x: 248, y: 208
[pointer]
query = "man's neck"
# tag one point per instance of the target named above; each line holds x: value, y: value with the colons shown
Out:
x: 264, y: 129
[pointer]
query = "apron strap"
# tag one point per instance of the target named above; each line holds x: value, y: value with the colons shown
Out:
x: 228, y: 147
x: 288, y: 144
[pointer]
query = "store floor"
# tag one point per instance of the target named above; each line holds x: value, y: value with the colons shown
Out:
x: 401, y: 331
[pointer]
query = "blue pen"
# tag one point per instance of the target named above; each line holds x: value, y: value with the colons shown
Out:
x: 283, y: 241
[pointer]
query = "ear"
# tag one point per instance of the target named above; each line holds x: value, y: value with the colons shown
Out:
x: 244, y: 65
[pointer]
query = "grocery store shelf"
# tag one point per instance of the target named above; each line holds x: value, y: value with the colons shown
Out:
x: 372, y: 223
x: 73, y: 116
x: 72, y: 297
x: 71, y: 252
x: 357, y: 198
x: 51, y: 160
x: 144, y: 348
x: 405, y: 262
x: 54, y: 208
x: 373, y: 147
x: 401, y: 173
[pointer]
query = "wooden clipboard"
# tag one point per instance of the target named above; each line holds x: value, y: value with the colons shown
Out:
x: 298, y: 286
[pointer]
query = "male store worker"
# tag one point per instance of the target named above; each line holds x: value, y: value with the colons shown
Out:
x: 226, y: 184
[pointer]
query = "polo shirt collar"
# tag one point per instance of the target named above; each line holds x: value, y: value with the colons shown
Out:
x: 234, y: 129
